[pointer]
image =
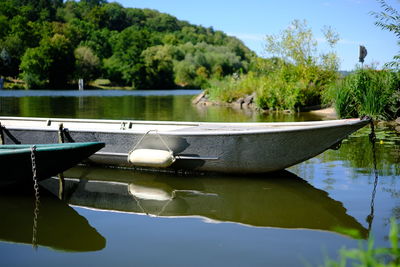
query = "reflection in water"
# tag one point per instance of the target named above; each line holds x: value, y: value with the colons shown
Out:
x: 358, y: 153
x: 284, y: 202
x: 54, y: 224
x: 139, y: 107
x: 280, y: 200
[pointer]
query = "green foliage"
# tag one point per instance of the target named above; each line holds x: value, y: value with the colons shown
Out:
x: 389, y: 19
x: 158, y: 62
x: 296, y: 76
x: 48, y: 65
x: 295, y: 44
x: 369, y: 255
x: 366, y: 92
x: 34, y: 66
x: 231, y: 88
x: 141, y: 48
x: 195, y: 64
x: 87, y: 64
x: 281, y: 89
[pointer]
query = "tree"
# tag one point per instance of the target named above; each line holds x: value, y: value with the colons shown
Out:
x: 126, y: 63
x: 50, y: 31
x: 115, y: 17
x: 389, y: 19
x: 87, y: 64
x: 34, y: 66
x: 93, y: 3
x: 5, y: 61
x: 48, y: 65
x: 15, y: 47
x: 158, y: 61
x: 295, y: 44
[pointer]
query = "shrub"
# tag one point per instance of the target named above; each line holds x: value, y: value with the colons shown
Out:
x: 231, y: 88
x: 295, y: 76
x: 366, y: 92
x: 278, y: 85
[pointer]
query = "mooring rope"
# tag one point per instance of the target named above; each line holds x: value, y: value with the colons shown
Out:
x: 143, y: 136
x: 159, y: 136
x: 173, y: 195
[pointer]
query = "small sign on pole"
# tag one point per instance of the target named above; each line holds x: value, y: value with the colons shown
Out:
x: 363, y: 53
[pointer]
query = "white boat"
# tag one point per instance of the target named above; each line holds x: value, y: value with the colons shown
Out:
x: 198, y: 146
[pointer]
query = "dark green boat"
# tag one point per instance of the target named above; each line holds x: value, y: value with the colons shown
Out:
x: 16, y: 163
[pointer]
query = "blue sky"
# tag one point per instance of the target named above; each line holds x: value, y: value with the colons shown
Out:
x: 252, y: 20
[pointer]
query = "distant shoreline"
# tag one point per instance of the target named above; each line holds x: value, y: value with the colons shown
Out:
x: 90, y: 92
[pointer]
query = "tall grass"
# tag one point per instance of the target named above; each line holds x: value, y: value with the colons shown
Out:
x: 231, y: 88
x: 367, y: 92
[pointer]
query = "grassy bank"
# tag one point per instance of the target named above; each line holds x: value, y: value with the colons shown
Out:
x: 281, y: 86
x: 366, y: 92
x: 278, y: 85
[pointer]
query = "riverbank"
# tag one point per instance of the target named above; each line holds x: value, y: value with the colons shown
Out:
x: 98, y: 84
x: 247, y: 103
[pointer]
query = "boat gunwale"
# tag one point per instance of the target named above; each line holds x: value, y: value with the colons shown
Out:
x: 27, y: 148
x: 272, y: 126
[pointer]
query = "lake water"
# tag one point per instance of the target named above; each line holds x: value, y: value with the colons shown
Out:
x: 127, y: 218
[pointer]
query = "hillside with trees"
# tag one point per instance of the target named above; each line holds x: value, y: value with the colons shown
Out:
x: 52, y: 43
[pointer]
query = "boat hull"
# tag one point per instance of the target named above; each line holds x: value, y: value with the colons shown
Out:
x: 50, y: 159
x: 214, y: 147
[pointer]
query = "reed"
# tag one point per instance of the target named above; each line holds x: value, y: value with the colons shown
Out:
x: 367, y: 92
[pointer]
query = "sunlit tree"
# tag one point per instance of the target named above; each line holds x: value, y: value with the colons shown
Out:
x: 389, y: 19
x: 87, y: 64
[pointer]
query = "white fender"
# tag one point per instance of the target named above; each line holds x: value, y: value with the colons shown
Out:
x: 151, y: 158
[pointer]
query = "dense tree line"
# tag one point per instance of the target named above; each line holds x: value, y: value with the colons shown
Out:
x: 50, y: 43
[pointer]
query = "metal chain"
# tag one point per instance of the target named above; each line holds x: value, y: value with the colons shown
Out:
x: 37, y: 199
x: 34, y: 171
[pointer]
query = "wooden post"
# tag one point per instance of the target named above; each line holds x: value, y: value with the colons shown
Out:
x: 1, y: 135
x: 61, y: 133
x: 61, y: 186
x: 61, y: 180
x: 80, y: 84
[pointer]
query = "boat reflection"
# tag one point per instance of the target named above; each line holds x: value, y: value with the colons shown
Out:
x: 281, y: 200
x: 49, y: 222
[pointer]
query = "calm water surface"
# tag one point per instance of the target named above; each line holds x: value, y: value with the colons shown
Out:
x: 128, y: 218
